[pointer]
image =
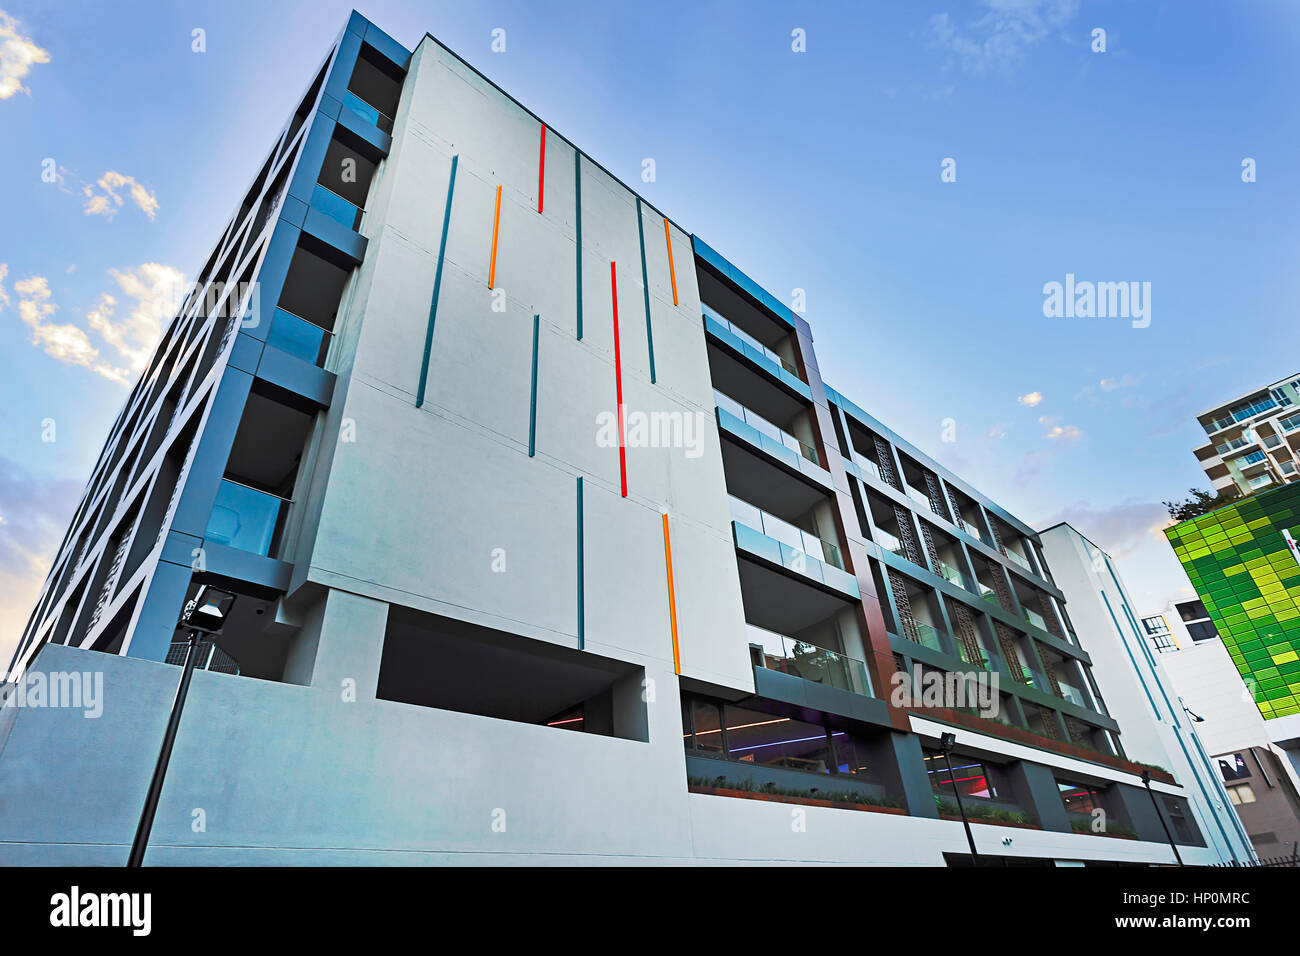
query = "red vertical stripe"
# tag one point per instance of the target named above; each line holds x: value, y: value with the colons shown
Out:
x: 618, y: 380
x: 541, y: 171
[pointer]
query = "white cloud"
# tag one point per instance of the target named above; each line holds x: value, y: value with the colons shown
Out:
x: 1032, y: 399
x: 17, y: 55
x: 104, y: 199
x: 154, y: 291
x: 1066, y: 432
x: 4, y: 296
x: 1124, y: 381
x: 998, y: 40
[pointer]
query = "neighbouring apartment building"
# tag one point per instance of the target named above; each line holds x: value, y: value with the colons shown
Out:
x: 1244, y: 562
x: 1253, y: 440
x: 548, y: 542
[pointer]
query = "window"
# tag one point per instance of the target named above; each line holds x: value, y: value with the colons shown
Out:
x: 1241, y: 793
x: 1080, y: 797
x: 759, y: 738
x: 1155, y: 625
x: 972, y: 777
x: 1192, y: 611
x: 1233, y: 767
x: 1202, y: 631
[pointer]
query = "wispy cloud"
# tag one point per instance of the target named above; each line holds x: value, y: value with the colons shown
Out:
x: 17, y: 56
x: 34, y: 510
x: 1120, y: 529
x: 1031, y: 399
x: 1113, y: 384
x: 154, y: 291
x: 104, y: 198
x: 997, y: 41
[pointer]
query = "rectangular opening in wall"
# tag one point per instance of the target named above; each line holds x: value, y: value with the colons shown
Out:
x: 433, y: 661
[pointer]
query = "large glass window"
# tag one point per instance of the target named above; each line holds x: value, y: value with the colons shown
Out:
x: 772, y: 741
x: 973, y: 777
x: 1233, y: 767
x: 1080, y: 797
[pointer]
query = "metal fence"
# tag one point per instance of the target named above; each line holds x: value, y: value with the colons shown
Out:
x: 210, y: 657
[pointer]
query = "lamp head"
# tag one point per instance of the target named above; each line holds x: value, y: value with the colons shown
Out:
x: 208, y: 610
x: 947, y: 742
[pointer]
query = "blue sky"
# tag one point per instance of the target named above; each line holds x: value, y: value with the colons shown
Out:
x: 817, y: 170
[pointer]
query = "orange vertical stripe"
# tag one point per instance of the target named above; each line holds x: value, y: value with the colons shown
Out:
x: 496, y: 226
x: 672, y: 597
x: 671, y: 271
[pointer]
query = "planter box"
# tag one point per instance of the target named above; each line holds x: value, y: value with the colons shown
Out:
x: 801, y: 801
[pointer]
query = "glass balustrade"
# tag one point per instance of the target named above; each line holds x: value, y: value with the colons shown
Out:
x: 1036, y: 619
x: 920, y: 497
x: 1018, y: 559
x: 774, y: 434
x: 890, y: 542
x: 750, y: 341
x: 367, y: 112
x: 295, y: 335
x: 244, y: 518
x: 1071, y: 693
x: 810, y: 662
x: 785, y: 532
x: 973, y: 657
x: 950, y: 573
x: 868, y: 466
x: 928, y: 636
x: 341, y: 210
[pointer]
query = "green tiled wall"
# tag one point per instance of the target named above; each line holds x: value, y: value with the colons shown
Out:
x: 1240, y: 565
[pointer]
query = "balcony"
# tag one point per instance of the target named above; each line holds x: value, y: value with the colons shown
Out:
x: 782, y: 543
x: 298, y: 337
x: 810, y: 662
x: 342, y: 211
x: 245, y: 518
x: 1290, y: 423
x: 868, y: 467
x: 745, y: 423
x: 744, y: 343
x: 921, y: 498
x: 890, y: 542
x: 370, y: 114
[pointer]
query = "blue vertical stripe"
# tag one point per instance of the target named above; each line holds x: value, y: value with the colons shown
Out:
x: 437, y: 285
x: 645, y: 287
x: 577, y: 215
x: 532, y: 413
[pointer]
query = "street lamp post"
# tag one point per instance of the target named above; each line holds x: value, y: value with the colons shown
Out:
x: 946, y: 743
x: 205, y: 613
x: 1146, y: 782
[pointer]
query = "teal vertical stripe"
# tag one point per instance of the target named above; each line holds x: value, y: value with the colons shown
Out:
x: 582, y: 598
x: 532, y: 413
x: 577, y: 206
x: 645, y: 287
x: 437, y: 285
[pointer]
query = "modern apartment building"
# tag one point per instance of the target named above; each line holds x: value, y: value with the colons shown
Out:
x: 1254, y: 439
x: 1261, y: 781
x: 549, y: 544
x: 1155, y: 725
